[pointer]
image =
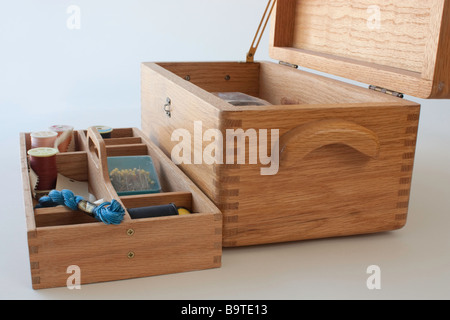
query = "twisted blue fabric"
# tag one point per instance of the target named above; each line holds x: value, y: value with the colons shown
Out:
x: 107, y: 212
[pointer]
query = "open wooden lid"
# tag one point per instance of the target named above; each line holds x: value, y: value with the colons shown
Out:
x: 400, y: 45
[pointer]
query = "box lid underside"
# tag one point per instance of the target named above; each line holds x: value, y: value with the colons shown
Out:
x: 398, y: 45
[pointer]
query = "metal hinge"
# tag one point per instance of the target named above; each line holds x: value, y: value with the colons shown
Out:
x: 387, y: 91
x: 287, y: 64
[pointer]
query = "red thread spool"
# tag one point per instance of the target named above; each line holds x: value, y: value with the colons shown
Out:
x: 43, y: 163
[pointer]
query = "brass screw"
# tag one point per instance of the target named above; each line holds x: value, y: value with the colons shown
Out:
x: 130, y: 255
x: 227, y: 77
x: 130, y: 232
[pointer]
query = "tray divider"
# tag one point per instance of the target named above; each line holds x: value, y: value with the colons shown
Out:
x: 122, y: 141
x: 59, y: 216
x: 180, y: 199
x: 126, y: 150
x: 98, y: 169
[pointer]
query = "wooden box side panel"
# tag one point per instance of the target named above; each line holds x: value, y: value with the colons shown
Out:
x: 27, y: 195
x: 189, y: 106
x: 108, y: 253
x: 331, y: 189
x: 218, y: 76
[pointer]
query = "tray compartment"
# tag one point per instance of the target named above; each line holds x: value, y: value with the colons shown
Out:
x: 180, y: 199
x: 73, y: 165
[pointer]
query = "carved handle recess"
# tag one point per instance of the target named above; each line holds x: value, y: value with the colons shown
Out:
x: 301, y: 141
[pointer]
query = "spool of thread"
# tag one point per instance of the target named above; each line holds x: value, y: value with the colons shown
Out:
x: 104, y: 131
x: 157, y: 211
x: 61, y: 130
x: 43, y: 163
x: 43, y: 139
x: 183, y: 211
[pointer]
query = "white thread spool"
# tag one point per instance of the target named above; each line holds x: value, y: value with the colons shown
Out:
x: 43, y: 139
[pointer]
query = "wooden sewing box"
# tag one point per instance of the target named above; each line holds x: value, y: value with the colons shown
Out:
x: 346, y: 151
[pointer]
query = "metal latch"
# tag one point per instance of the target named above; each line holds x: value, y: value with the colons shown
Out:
x: 387, y: 91
x: 168, y: 107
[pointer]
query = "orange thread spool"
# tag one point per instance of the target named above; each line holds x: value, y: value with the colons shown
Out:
x: 43, y: 163
x: 60, y: 129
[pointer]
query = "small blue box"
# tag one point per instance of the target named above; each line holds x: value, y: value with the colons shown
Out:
x: 133, y: 175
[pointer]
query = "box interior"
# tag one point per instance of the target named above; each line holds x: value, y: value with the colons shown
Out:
x: 277, y: 84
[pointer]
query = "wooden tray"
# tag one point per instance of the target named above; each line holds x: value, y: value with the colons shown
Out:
x: 59, y: 238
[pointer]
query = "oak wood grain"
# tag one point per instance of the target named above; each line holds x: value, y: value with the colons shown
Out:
x: 400, y: 45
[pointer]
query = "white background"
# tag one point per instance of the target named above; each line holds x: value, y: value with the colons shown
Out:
x: 52, y: 75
